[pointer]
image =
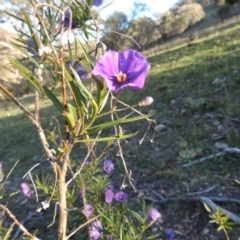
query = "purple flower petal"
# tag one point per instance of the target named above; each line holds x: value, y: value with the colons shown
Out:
x: 66, y: 23
x: 96, y: 230
x: 26, y: 190
x: 153, y: 215
x: 81, y: 193
x: 88, y: 210
x: 82, y: 73
x: 110, y: 238
x: 108, y: 166
x: 126, y: 69
x: 109, y: 195
x: 121, y: 197
x: 170, y: 235
x: 97, y: 3
x: 31, y: 46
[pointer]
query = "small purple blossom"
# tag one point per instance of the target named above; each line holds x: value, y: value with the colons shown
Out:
x: 121, y: 197
x: 88, y: 210
x: 108, y: 166
x: 110, y: 238
x: 170, y: 235
x: 81, y: 193
x: 82, y: 73
x: 26, y: 190
x: 31, y: 46
x: 153, y: 215
x: 109, y: 195
x: 125, y: 69
x: 97, y: 3
x: 96, y: 230
x: 67, y: 18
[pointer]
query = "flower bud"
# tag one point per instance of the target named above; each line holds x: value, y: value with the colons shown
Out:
x: 145, y: 101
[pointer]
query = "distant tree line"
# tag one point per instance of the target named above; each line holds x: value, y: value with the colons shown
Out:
x: 147, y: 32
x: 227, y: 8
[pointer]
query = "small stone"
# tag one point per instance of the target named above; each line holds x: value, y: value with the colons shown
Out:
x: 220, y: 128
x: 205, y: 231
x: 155, y: 229
x: 219, y: 145
x: 159, y: 127
x: 216, y: 122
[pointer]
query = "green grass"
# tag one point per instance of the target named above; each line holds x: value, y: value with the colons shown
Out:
x: 188, y: 103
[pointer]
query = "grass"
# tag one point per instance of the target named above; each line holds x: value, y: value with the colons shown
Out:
x: 196, y: 91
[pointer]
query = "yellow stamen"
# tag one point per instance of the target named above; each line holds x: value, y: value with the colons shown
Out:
x: 121, y: 77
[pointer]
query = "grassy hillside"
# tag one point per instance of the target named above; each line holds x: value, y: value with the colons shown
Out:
x: 196, y: 91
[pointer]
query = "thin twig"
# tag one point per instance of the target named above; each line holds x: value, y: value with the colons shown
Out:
x: 18, y: 223
x: 9, y: 231
x: 84, y: 161
x: 201, y: 192
x: 81, y: 226
x: 54, y: 216
x: 48, y: 153
x: 34, y: 186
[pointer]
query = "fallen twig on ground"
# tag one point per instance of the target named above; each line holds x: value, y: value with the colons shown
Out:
x: 214, y: 207
x: 226, y: 150
x: 190, y: 199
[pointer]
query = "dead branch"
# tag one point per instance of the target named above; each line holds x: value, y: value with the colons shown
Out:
x: 225, y: 151
x: 214, y: 207
x: 26, y: 232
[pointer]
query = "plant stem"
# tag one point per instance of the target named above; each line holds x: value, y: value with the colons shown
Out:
x: 62, y: 192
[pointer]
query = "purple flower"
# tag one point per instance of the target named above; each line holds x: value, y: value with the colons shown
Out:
x: 82, y: 73
x: 109, y: 195
x: 121, y: 196
x: 1, y: 172
x: 67, y: 18
x: 153, y: 215
x: 88, y: 210
x: 97, y: 3
x: 96, y: 230
x: 170, y: 235
x: 108, y: 166
x: 31, y: 46
x: 81, y: 193
x: 110, y: 238
x: 26, y: 190
x: 126, y: 69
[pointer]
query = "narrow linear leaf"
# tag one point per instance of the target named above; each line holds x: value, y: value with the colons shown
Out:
x: 105, y: 139
x: 27, y: 74
x: 53, y: 98
x: 106, y: 125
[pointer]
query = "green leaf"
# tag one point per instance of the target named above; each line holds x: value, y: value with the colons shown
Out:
x: 106, y: 139
x: 106, y: 125
x: 27, y: 74
x: 101, y: 87
x: 53, y: 98
x: 86, y: 55
x: 90, y: 97
x: 28, y: 22
x: 71, y: 116
x: 79, y: 97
